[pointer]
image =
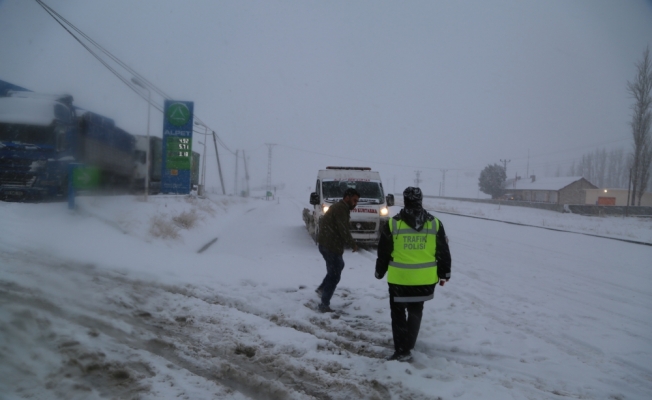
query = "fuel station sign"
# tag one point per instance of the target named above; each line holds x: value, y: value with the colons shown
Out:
x: 177, y: 147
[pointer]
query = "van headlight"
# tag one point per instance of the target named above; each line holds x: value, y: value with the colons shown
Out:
x: 384, y: 211
x: 324, y: 208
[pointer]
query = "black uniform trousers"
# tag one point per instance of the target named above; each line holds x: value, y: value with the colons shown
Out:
x: 405, y: 328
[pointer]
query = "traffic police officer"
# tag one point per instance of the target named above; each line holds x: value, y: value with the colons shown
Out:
x: 413, y: 251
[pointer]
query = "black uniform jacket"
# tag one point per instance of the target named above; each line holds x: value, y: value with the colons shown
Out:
x: 386, y: 247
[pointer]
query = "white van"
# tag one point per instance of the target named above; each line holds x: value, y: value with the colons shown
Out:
x: 372, y: 209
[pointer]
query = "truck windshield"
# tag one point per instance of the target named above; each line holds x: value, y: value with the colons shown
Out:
x: 370, y: 192
x: 27, y: 134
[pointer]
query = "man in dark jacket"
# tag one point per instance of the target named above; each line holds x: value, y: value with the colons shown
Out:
x: 413, y: 251
x: 334, y: 234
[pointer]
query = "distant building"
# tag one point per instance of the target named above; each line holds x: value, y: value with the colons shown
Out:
x: 614, y: 197
x: 560, y: 190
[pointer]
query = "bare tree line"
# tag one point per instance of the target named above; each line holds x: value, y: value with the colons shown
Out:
x: 607, y: 169
x: 615, y: 169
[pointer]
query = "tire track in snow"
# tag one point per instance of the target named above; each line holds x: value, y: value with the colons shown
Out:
x: 188, y: 340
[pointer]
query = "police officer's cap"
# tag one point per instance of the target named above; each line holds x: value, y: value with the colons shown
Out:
x: 412, y: 195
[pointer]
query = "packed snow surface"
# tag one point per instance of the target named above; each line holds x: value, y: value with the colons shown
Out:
x: 213, y: 298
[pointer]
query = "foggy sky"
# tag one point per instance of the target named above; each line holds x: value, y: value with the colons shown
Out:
x: 397, y: 86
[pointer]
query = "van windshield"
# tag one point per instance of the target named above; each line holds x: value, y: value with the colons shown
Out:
x: 370, y: 192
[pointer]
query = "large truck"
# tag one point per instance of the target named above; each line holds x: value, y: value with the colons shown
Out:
x: 373, y: 207
x: 41, y: 135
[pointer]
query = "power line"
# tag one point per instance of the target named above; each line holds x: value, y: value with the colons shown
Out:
x: 61, y: 20
x: 51, y: 11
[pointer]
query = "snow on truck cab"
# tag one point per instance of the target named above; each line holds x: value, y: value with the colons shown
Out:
x: 372, y: 209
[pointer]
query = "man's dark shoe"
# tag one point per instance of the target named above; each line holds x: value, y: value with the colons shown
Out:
x: 402, y: 356
x: 319, y: 292
x: 324, y: 309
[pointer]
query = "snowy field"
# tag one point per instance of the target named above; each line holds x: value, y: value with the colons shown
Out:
x: 115, y: 301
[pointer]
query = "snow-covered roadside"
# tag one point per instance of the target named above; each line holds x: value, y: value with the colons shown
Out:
x: 631, y: 228
x: 95, y: 306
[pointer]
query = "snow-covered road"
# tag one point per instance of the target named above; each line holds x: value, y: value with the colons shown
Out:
x: 95, y: 306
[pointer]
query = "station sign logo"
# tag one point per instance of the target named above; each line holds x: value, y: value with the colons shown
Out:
x: 178, y: 114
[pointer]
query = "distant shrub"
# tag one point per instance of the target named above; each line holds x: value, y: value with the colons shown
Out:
x: 202, y: 205
x: 161, y: 228
x: 206, y: 207
x: 186, y: 220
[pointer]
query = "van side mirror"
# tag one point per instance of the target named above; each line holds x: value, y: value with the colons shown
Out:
x: 390, y: 200
x: 314, y: 198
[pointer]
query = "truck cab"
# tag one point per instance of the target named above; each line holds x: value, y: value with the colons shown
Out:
x: 36, y: 133
x: 42, y: 136
x: 371, y: 212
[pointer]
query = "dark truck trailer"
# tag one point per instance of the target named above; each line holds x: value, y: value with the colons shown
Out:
x: 103, y: 145
x: 41, y: 135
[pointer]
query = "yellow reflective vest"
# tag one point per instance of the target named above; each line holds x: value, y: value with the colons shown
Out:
x: 413, y: 259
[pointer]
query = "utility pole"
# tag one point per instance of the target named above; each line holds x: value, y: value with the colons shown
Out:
x: 219, y: 167
x: 505, y: 165
x: 417, y: 180
x: 268, y: 187
x: 443, y: 182
x: 244, y: 159
x: 203, y: 166
x: 235, y: 188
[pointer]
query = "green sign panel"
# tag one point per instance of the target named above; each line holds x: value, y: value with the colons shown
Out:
x: 179, y: 152
x: 85, y: 177
x: 178, y: 114
x: 177, y: 147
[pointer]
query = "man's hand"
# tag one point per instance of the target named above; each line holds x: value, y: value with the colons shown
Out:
x: 442, y: 282
x: 378, y: 276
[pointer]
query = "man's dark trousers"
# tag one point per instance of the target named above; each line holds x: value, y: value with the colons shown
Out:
x: 334, y: 267
x: 405, y: 330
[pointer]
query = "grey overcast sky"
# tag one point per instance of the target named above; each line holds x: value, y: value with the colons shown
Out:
x: 398, y: 86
